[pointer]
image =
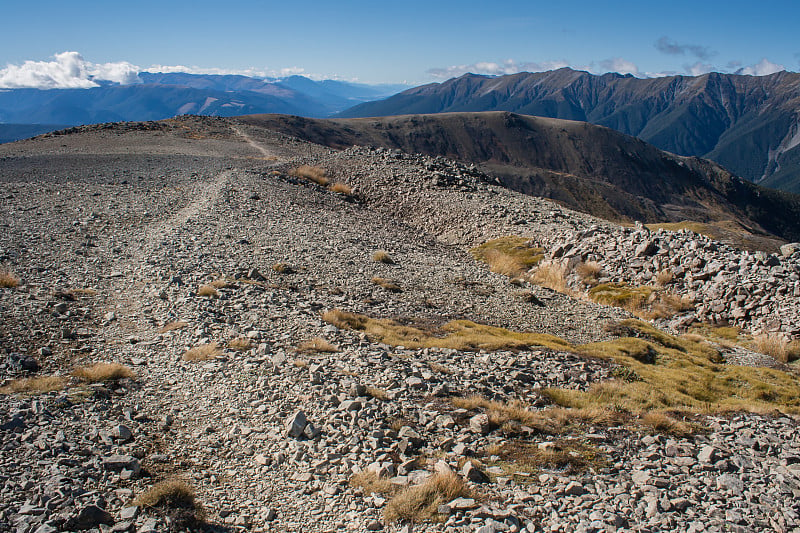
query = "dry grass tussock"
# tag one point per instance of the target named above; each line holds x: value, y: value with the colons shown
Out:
x: 551, y: 275
x: 8, y: 280
x: 776, y: 346
x: 316, y: 345
x: 664, y: 423
x: 589, y: 272
x: 221, y: 283
x: 282, y: 268
x: 316, y: 174
x: 35, y: 385
x: 457, y: 335
x: 421, y: 502
x: 103, y: 372
x: 172, y: 326
x: 341, y: 188
x: 207, y: 291
x: 510, y: 256
x: 204, y: 352
x: 369, y: 482
x: 378, y: 394
x: 382, y: 256
x: 240, y: 344
x: 175, y: 498
x: 387, y: 284
x: 645, y: 302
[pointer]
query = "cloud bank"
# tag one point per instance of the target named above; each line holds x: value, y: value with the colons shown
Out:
x: 67, y: 70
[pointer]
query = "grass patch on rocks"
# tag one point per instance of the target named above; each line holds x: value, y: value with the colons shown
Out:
x: 643, y: 301
x: 8, y: 280
x: 421, y: 502
x: 173, y: 326
x: 100, y: 372
x: 510, y: 256
x: 387, y: 284
x: 316, y: 174
x: 382, y: 256
x: 34, y: 385
x: 459, y: 334
x: 177, y: 500
x: 316, y: 345
x: 203, y: 352
x: 566, y: 456
x: 208, y: 291
x: 679, y: 373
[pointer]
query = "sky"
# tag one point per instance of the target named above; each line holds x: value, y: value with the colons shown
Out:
x: 52, y: 44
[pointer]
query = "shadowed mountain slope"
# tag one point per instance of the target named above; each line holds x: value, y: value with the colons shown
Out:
x: 749, y: 124
x: 590, y: 168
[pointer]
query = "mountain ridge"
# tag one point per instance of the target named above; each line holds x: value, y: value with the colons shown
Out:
x: 746, y: 123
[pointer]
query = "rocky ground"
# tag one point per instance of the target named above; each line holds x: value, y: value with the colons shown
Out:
x: 113, y: 230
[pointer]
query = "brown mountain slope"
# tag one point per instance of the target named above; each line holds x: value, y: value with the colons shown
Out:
x: 590, y: 168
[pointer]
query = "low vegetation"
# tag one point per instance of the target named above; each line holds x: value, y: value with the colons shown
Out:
x: 458, y: 334
x: 567, y: 456
x: 316, y: 345
x: 316, y: 174
x: 34, y: 385
x: 421, y: 502
x: 172, y: 326
x: 382, y: 256
x: 644, y: 301
x: 387, y: 284
x: 369, y: 483
x: 510, y: 256
x: 99, y: 372
x: 776, y: 346
x: 341, y: 188
x: 282, y: 268
x: 8, y: 280
x: 240, y: 344
x: 174, y: 498
x: 207, y: 291
x: 204, y: 352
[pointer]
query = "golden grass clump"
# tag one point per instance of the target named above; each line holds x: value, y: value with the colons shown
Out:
x: 204, y: 352
x: 221, y: 283
x: 550, y: 275
x: 644, y: 302
x: 776, y: 346
x: 35, y: 385
x: 240, y: 344
x: 316, y: 345
x: 421, y: 502
x: 8, y: 280
x: 103, y: 372
x: 316, y: 174
x: 378, y: 394
x: 282, y: 268
x: 664, y: 277
x: 175, y: 498
x: 458, y: 335
x: 500, y: 413
x: 207, y: 291
x: 387, y: 284
x: 510, y: 256
x: 664, y: 423
x: 382, y: 256
x: 369, y: 483
x: 172, y: 326
x: 589, y: 272
x: 341, y: 188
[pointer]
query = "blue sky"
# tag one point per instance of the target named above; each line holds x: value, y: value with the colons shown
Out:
x: 413, y: 41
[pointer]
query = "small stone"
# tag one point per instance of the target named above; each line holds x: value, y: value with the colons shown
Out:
x: 90, y: 517
x: 295, y: 424
x: 480, y: 424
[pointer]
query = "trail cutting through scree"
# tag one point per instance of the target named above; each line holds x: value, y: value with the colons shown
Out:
x: 249, y: 140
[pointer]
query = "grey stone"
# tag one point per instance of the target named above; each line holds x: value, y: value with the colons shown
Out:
x: 295, y: 424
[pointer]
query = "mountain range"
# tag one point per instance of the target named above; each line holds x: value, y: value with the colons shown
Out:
x: 164, y: 95
x: 748, y: 124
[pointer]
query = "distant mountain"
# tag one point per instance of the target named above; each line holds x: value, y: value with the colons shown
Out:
x: 590, y: 168
x: 15, y: 132
x: 748, y: 124
x: 164, y: 95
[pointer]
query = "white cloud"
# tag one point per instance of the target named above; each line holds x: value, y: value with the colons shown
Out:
x: 762, y: 68
x: 67, y: 70
x: 699, y: 68
x: 509, y: 66
x: 251, y: 72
